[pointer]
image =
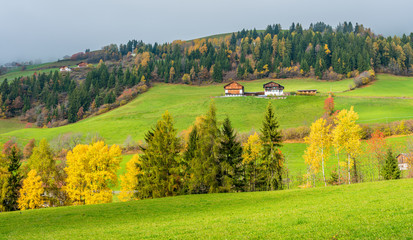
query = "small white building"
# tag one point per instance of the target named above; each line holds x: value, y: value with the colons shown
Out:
x: 273, y: 89
x: 65, y: 69
x: 403, y: 160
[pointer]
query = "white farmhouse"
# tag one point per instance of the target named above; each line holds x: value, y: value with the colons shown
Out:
x: 273, y: 89
x: 65, y: 69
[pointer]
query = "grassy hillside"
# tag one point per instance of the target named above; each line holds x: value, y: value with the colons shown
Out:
x: 8, y: 125
x: 386, y: 86
x: 187, y: 102
x: 39, y: 68
x: 379, y: 210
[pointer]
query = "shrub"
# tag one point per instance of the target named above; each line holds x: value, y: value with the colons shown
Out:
x: 364, y: 78
x: 298, y: 133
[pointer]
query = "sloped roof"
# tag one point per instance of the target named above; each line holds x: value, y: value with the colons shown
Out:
x: 233, y: 85
x: 273, y: 84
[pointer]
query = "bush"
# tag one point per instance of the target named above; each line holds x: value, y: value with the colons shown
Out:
x: 364, y: 78
x: 298, y: 133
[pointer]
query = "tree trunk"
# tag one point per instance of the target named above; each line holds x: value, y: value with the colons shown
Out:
x: 338, y: 167
x: 322, y: 164
x: 356, y: 176
x: 348, y: 168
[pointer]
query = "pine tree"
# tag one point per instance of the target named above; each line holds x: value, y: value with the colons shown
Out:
x: 229, y: 157
x: 391, y: 169
x: 14, y: 179
x: 159, y: 162
x: 272, y: 157
x: 204, y: 167
x: 217, y: 74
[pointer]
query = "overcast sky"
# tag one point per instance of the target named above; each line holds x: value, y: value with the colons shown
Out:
x: 50, y: 29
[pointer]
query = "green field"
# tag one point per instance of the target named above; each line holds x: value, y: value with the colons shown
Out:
x: 39, y: 68
x: 386, y: 86
x: 7, y: 125
x: 187, y: 102
x: 379, y: 210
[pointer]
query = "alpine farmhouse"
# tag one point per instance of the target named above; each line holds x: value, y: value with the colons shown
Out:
x: 235, y: 89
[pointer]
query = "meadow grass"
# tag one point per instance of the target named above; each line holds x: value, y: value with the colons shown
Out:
x: 38, y: 68
x: 7, y: 125
x: 377, y: 210
x: 386, y: 86
x: 185, y: 103
x: 12, y: 75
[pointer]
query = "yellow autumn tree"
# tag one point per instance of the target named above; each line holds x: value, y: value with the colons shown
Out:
x: 129, y: 181
x: 319, y: 144
x: 251, y: 154
x: 91, y: 169
x: 31, y: 192
x: 346, y: 136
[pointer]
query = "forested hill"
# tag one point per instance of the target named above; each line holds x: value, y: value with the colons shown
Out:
x: 128, y: 69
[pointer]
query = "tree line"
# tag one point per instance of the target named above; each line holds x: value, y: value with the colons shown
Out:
x: 319, y: 51
x: 46, y: 99
x: 207, y: 158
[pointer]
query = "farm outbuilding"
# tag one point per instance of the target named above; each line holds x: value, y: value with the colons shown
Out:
x: 403, y: 160
x: 65, y: 69
x: 234, y: 89
x: 307, y: 92
x: 82, y: 65
x: 273, y: 88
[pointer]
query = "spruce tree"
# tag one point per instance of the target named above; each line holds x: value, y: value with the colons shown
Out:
x: 229, y: 157
x: 391, y: 167
x: 204, y: 167
x: 160, y: 164
x: 272, y: 157
x: 217, y: 74
x: 14, y: 184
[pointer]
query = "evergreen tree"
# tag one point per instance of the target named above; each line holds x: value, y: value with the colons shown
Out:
x: 159, y: 162
x: 204, y: 167
x: 229, y: 157
x: 14, y: 179
x: 217, y: 74
x: 391, y: 168
x: 272, y: 158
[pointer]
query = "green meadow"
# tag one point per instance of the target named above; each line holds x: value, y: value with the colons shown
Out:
x: 8, y: 125
x: 38, y: 68
x: 186, y: 102
x: 386, y: 86
x: 376, y: 210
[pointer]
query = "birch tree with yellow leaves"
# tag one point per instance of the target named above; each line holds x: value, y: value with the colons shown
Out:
x: 91, y: 170
x: 31, y: 192
x: 319, y: 144
x: 250, y: 155
x: 129, y: 181
x: 346, y: 136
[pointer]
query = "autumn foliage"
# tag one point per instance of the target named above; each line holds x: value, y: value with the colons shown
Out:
x: 31, y: 192
x: 91, y: 170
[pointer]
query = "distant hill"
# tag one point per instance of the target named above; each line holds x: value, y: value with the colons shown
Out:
x: 118, y: 73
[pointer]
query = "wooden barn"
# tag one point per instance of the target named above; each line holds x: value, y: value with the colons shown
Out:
x: 273, y: 88
x: 307, y: 92
x: 82, y: 65
x: 403, y: 160
x: 234, y: 89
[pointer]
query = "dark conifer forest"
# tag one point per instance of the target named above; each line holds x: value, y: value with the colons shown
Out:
x: 124, y: 71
